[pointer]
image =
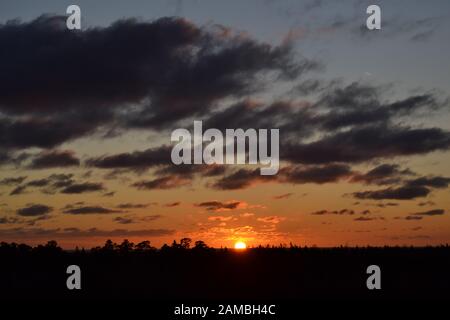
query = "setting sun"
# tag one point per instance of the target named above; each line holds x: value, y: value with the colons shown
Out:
x: 240, y: 245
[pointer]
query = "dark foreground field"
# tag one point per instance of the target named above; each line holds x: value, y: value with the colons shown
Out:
x: 204, y: 274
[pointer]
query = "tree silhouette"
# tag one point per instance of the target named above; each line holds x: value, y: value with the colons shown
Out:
x: 175, y: 245
x: 144, y: 246
x: 126, y: 246
x: 185, y: 243
x: 165, y: 248
x: 200, y: 245
x: 52, y: 244
x: 109, y: 245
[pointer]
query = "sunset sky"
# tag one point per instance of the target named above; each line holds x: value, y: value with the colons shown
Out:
x: 86, y: 118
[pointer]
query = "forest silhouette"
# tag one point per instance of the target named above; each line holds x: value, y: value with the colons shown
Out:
x: 193, y: 271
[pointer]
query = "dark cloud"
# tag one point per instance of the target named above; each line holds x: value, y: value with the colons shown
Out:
x: 371, y: 124
x: 73, y: 205
x: 83, y: 187
x: 354, y: 101
x: 11, y: 181
x: 129, y: 205
x: 29, y: 220
x: 363, y: 219
x: 389, y: 204
x: 349, y: 123
x: 169, y: 182
x: 54, y: 159
x: 218, y: 205
x: 282, y: 196
x: 400, y: 193
x: 337, y: 120
x: 351, y: 97
x: 426, y: 203
x: 410, y: 189
x: 135, y: 160
x: 119, y: 174
x: 136, y: 219
x: 47, y: 132
x: 172, y: 204
x: 435, y: 212
x: 367, y: 143
x: 308, y: 86
x: 191, y: 171
x: 241, y: 179
x: 39, y: 183
x: 130, y: 74
x: 299, y: 174
x: 123, y: 220
x: 425, y: 102
x: 18, y: 190
x: 413, y: 218
x: 254, y: 114
x: 49, y: 184
x: 364, y: 215
x: 357, y: 104
x: 432, y: 182
x: 35, y: 221
x: 34, y: 210
x: 315, y: 174
x: 334, y: 212
x: 156, y: 157
x: 382, y: 175
x: 91, y: 210
x: 61, y: 179
x: 58, y: 181
x: 150, y: 217
x: 5, y: 157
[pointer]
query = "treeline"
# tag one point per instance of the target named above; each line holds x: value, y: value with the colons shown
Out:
x: 109, y: 246
x: 127, y: 246
x: 145, y: 246
x: 186, y: 268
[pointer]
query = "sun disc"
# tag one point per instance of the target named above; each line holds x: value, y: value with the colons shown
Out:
x: 240, y: 245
